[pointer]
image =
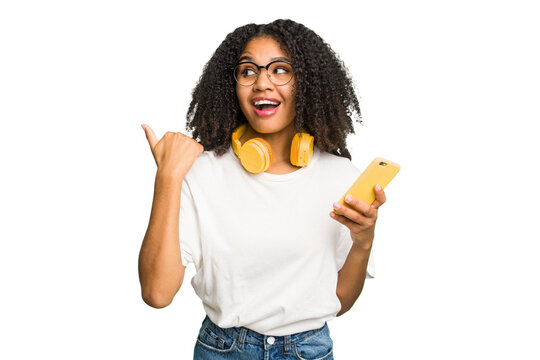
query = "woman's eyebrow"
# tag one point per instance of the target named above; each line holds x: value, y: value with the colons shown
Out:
x: 249, y: 58
x: 245, y: 57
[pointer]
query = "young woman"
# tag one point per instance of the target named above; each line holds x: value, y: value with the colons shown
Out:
x: 250, y: 202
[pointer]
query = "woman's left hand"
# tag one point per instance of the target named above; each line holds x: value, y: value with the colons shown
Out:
x: 361, y: 218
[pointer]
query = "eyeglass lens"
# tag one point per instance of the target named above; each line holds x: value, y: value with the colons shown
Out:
x: 279, y: 72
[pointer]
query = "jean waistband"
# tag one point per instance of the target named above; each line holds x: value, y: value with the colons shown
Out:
x: 244, y: 334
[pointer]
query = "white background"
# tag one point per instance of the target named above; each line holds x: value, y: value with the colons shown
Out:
x: 450, y: 90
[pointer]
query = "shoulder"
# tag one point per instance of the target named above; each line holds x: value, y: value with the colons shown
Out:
x: 336, y: 172
x: 210, y: 165
x: 339, y: 164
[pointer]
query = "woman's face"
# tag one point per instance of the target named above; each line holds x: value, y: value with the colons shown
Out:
x: 266, y: 118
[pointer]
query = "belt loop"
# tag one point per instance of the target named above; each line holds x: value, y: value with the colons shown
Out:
x: 242, y: 337
x: 287, y: 344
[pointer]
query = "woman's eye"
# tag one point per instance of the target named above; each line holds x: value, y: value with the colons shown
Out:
x: 248, y: 72
x: 281, y: 70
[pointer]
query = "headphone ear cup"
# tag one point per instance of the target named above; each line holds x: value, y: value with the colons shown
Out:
x: 302, y: 149
x: 268, y: 150
x: 256, y: 155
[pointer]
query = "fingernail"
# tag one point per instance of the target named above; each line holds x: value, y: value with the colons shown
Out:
x: 378, y: 187
x: 348, y: 198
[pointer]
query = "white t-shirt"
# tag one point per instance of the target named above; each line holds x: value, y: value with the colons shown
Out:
x: 265, y: 250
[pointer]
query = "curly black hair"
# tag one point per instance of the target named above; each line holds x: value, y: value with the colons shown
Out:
x: 324, y: 91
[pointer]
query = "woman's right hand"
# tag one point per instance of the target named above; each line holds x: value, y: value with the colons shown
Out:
x: 174, y: 153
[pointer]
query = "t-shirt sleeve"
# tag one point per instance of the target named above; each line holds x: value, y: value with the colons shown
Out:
x: 344, y: 245
x: 188, y: 227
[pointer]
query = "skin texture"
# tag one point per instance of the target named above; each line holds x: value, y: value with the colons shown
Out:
x: 161, y: 272
x: 361, y: 222
x: 325, y: 100
x: 277, y: 129
x: 320, y: 100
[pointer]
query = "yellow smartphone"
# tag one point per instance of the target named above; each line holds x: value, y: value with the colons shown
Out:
x: 380, y: 171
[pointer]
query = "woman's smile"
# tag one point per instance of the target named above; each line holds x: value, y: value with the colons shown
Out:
x: 264, y: 106
x: 268, y: 108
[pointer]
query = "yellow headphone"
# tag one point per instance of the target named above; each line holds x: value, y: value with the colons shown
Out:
x: 256, y: 154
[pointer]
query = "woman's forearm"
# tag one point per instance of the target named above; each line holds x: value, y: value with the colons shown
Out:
x: 351, y: 277
x: 160, y: 265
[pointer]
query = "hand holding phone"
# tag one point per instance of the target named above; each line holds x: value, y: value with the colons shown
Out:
x: 380, y: 171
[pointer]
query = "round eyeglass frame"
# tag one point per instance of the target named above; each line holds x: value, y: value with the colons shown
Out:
x: 259, y: 67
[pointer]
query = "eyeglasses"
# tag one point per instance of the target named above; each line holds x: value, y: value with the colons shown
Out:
x: 280, y: 72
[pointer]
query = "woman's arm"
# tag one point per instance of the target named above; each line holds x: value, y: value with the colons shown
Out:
x: 360, y: 219
x: 351, y: 278
x: 161, y: 272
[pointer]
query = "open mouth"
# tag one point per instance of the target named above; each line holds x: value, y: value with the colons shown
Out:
x: 265, y: 107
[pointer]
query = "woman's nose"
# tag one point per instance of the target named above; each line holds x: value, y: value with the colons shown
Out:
x: 263, y: 81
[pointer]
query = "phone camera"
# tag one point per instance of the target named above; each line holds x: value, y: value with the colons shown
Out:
x: 382, y: 163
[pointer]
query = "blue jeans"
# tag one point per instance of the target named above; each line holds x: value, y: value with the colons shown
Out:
x: 216, y: 343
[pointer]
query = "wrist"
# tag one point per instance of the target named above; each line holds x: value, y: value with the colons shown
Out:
x: 167, y: 176
x: 362, y: 247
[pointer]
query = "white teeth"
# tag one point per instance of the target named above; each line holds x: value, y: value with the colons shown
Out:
x: 265, y: 102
